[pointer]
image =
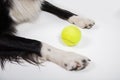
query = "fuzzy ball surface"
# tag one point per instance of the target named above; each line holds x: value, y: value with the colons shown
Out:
x: 71, y: 35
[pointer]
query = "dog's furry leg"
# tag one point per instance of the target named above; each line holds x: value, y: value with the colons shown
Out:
x: 13, y: 48
x: 68, y: 60
x: 64, y: 14
x: 67, y: 15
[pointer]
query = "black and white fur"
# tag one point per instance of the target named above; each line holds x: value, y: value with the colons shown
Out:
x: 14, y: 48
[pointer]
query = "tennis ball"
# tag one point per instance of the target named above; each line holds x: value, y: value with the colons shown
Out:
x: 71, y: 35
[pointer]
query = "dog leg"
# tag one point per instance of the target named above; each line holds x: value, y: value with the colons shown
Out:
x: 13, y: 48
x: 67, y: 15
x: 68, y: 60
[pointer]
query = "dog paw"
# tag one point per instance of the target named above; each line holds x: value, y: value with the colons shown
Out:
x: 74, y: 62
x: 81, y: 22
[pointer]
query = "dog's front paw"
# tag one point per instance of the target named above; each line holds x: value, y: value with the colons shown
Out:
x: 74, y: 62
x: 81, y: 22
x: 68, y: 60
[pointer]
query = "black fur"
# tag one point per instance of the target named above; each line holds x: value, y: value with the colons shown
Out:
x: 61, y: 13
x: 14, y: 48
x: 5, y: 21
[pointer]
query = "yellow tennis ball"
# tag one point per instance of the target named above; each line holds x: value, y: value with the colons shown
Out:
x: 71, y: 35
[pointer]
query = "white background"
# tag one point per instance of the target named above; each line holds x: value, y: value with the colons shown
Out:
x: 101, y: 43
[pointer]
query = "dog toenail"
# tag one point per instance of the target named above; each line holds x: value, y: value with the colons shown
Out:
x: 84, y: 61
x: 65, y: 65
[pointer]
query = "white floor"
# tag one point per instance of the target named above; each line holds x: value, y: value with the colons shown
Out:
x: 101, y: 43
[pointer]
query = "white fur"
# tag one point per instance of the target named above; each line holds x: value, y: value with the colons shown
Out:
x: 25, y: 10
x: 67, y: 60
x: 81, y: 22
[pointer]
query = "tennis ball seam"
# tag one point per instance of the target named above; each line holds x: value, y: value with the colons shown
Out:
x: 69, y: 40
